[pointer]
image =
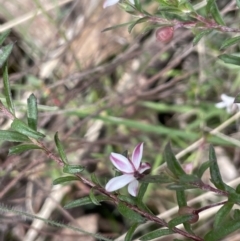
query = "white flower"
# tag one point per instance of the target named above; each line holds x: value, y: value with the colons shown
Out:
x: 228, y: 103
x: 108, y: 3
x: 131, y: 169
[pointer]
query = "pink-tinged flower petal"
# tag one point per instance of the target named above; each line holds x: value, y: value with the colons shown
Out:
x: 137, y: 155
x: 133, y: 188
x: 121, y: 163
x: 108, y: 3
x: 119, y: 182
x: 144, y: 166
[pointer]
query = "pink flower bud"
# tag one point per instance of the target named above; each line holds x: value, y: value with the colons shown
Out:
x: 164, y: 34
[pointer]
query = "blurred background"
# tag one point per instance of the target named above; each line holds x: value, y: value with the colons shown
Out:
x: 105, y: 92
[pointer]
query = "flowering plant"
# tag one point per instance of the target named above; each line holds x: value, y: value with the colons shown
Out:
x: 132, y: 169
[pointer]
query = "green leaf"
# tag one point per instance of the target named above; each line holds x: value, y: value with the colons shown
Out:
x: 22, y: 148
x: 141, y: 20
x: 181, y: 199
x: 233, y: 197
x: 236, y: 214
x: 203, y: 168
x: 117, y: 26
x: 4, y: 35
x: 230, y: 59
x: 209, y: 5
x: 229, y: 42
x: 188, y: 179
x: 238, y: 189
x: 178, y: 220
x: 127, y: 199
x: 130, y: 213
x: 85, y: 200
x: 156, y: 234
x: 61, y: 180
x: 72, y: 169
x: 93, y: 198
x: 216, y: 14
x: 222, y: 214
x: 95, y: 179
x: 216, y: 178
x: 228, y: 228
x: 22, y: 128
x: 32, y: 112
x: 138, y: 6
x: 60, y: 149
x: 7, y: 89
x: 4, y: 53
x: 130, y: 232
x: 161, y: 178
x: 172, y: 162
x: 12, y: 136
x: 142, y: 191
x: 199, y: 36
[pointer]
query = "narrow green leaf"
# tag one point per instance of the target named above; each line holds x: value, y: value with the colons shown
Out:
x: 222, y: 214
x: 230, y: 59
x: 238, y: 189
x: 141, y: 20
x: 4, y: 35
x: 156, y: 234
x: 236, y: 214
x: 61, y: 180
x: 130, y: 232
x: 7, y: 89
x: 142, y: 191
x: 181, y: 199
x: 199, y: 36
x: 209, y: 5
x: 72, y: 169
x: 178, y: 220
x: 229, y: 42
x: 228, y: 228
x: 216, y: 178
x: 172, y: 163
x: 161, y: 178
x: 95, y: 179
x: 60, y: 149
x: 233, y: 196
x: 22, y: 148
x: 12, y: 136
x: 188, y: 179
x: 85, y: 200
x: 216, y: 14
x: 138, y: 6
x: 203, y: 168
x: 32, y: 112
x: 93, y: 198
x: 127, y: 199
x: 4, y: 53
x: 129, y: 213
x: 22, y: 128
x: 117, y: 26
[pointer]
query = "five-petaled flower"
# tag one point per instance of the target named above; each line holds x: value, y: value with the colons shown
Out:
x: 108, y: 3
x: 132, y: 170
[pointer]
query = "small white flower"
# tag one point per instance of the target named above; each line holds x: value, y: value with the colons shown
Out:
x: 131, y: 169
x: 228, y: 103
x: 108, y: 3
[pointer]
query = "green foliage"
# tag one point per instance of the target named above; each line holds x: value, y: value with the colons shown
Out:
x: 229, y: 42
x: 216, y: 177
x: 85, y: 200
x: 172, y: 162
x: 129, y: 213
x: 4, y: 54
x: 230, y: 59
x: 13, y: 136
x: 156, y: 234
x: 130, y: 232
x: 61, y: 180
x: 161, y: 178
x: 32, y: 112
x: 60, y: 149
x: 24, y: 129
x: 72, y: 169
x: 178, y: 220
x: 22, y: 148
x: 3, y: 36
x: 200, y: 35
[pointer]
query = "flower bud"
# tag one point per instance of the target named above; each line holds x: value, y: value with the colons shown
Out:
x: 165, y: 34
x: 188, y: 210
